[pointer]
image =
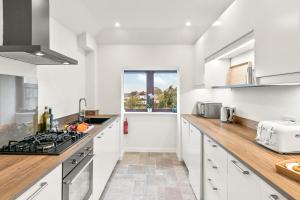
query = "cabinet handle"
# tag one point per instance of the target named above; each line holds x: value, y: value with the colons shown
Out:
x: 99, y: 137
x: 273, y: 197
x: 212, y: 185
x: 41, y: 188
x: 214, y: 146
x: 209, y: 141
x: 212, y: 164
x: 245, y: 172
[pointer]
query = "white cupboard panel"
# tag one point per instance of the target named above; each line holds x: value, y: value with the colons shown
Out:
x: 48, y: 188
x: 195, y: 159
x: 277, y: 34
x: 185, y: 134
x: 269, y: 193
x: 235, y: 22
x: 242, y: 183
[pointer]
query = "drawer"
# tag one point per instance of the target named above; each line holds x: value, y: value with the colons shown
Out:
x: 215, y: 151
x: 214, y: 189
x: 48, y: 188
x: 269, y: 193
x: 215, y: 169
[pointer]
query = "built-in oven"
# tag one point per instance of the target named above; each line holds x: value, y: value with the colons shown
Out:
x: 78, y: 174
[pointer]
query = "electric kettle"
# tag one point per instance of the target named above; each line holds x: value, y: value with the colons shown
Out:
x: 227, y: 114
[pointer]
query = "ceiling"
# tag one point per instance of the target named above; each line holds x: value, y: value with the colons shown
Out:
x: 142, y: 21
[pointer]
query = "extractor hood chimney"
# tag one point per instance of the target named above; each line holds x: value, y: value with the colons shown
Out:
x: 26, y: 35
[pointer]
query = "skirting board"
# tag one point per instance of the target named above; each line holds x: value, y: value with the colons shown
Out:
x: 152, y: 150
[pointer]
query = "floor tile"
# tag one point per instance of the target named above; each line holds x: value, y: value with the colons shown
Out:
x: 149, y: 176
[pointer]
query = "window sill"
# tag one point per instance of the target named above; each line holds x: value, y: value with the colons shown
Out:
x: 150, y: 113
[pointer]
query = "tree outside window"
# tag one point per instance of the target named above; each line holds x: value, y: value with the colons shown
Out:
x: 150, y: 89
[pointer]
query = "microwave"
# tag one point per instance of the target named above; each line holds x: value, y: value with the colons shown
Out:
x: 210, y: 110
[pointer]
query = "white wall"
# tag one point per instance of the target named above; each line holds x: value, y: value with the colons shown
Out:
x: 145, y: 131
x: 151, y: 133
x: 62, y: 86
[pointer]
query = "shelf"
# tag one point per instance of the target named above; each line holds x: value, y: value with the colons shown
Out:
x: 246, y: 86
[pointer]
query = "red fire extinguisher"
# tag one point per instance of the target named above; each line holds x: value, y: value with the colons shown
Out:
x: 126, y: 127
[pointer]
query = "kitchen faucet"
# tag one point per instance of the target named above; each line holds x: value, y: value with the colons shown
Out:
x: 82, y: 111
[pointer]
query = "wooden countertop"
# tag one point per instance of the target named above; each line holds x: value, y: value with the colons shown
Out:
x: 240, y: 142
x: 20, y: 172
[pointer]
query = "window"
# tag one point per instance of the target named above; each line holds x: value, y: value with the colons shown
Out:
x: 154, y: 90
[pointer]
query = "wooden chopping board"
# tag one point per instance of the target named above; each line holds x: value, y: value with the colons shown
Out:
x: 238, y: 74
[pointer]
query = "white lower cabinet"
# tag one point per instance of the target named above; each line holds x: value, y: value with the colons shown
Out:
x: 48, y: 188
x: 269, y: 193
x: 242, y: 183
x: 106, y: 150
x: 194, y: 157
x: 185, y: 135
x: 215, y: 171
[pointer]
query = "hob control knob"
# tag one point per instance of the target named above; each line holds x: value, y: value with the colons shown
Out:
x: 74, y: 161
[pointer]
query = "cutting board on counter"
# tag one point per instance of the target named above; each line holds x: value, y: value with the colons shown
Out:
x: 240, y: 74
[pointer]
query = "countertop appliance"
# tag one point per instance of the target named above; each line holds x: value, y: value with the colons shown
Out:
x: 227, y: 114
x: 280, y: 136
x: 209, y: 109
x: 50, y: 143
x: 78, y: 174
x: 26, y: 33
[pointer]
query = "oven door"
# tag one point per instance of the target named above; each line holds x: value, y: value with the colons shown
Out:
x: 78, y: 184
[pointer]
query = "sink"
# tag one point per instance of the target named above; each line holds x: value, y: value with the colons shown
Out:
x: 96, y: 120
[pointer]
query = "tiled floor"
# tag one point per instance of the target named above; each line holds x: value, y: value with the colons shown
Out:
x: 149, y: 176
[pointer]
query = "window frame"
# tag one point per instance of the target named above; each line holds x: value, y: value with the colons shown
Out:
x: 150, y: 90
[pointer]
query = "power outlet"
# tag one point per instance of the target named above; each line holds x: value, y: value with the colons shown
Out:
x: 289, y: 118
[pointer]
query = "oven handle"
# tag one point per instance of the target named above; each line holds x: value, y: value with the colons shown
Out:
x: 71, y: 178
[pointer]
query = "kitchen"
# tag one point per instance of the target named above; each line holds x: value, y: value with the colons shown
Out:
x: 198, y: 103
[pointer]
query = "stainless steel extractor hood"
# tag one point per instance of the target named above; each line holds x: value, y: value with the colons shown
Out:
x: 26, y: 35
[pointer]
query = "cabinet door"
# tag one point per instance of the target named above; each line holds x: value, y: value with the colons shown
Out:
x: 195, y: 160
x: 277, y: 34
x: 185, y: 134
x: 101, y: 164
x: 269, y: 193
x: 48, y: 188
x: 242, y: 183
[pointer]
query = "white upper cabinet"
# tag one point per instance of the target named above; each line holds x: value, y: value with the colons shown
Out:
x: 277, y: 34
x: 235, y: 22
x: 198, y: 72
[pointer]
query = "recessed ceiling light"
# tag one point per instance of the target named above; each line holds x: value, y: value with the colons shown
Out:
x: 188, y: 23
x: 66, y: 63
x: 39, y: 53
x: 217, y: 23
x: 117, y: 24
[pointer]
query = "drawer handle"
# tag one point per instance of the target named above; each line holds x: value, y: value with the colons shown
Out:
x: 41, y: 188
x: 273, y: 197
x: 209, y: 141
x: 212, y: 185
x: 245, y: 172
x: 212, y: 164
x: 214, y: 146
x: 99, y: 137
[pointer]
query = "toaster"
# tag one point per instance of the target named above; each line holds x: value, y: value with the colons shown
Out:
x: 210, y: 110
x: 280, y: 136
